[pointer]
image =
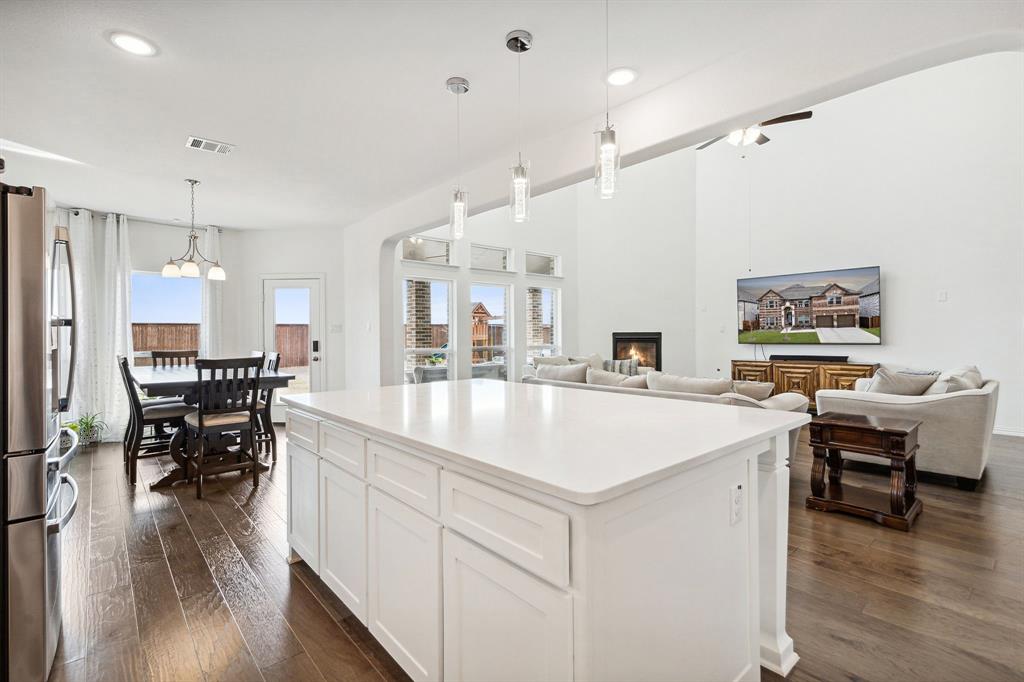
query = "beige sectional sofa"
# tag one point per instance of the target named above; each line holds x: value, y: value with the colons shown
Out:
x: 956, y: 429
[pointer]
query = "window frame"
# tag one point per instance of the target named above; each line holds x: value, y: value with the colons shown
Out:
x: 508, y: 348
x: 509, y: 257
x: 449, y: 250
x: 451, y: 351
x: 556, y: 264
x: 143, y: 354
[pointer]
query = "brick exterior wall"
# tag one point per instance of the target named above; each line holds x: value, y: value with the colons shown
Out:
x: 419, y: 332
x: 535, y: 318
x: 771, y: 309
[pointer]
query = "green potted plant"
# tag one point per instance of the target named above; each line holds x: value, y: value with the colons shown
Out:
x: 89, y: 428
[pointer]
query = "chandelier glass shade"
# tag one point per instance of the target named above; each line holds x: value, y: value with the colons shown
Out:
x: 188, y: 264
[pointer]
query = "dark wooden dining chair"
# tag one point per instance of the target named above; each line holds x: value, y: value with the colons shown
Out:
x: 174, y: 358
x: 227, y: 401
x: 266, y: 437
x: 138, y: 444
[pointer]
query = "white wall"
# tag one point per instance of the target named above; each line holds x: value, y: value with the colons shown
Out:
x: 283, y: 252
x: 923, y: 176
x: 636, y: 256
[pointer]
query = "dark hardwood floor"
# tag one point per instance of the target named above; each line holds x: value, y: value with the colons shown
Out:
x: 161, y: 586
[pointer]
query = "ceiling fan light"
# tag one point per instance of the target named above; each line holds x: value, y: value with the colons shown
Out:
x: 751, y: 134
x: 170, y: 269
x: 190, y: 269
x: 735, y: 137
x: 216, y: 273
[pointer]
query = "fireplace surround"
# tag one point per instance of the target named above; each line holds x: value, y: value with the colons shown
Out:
x: 645, y: 346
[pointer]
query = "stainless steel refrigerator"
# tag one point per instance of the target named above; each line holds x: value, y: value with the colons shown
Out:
x: 38, y: 496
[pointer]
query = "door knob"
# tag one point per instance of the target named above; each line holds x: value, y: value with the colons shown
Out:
x: 316, y: 358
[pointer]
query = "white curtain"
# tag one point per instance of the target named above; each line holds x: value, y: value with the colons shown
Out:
x: 210, y: 326
x: 115, y: 338
x: 84, y: 397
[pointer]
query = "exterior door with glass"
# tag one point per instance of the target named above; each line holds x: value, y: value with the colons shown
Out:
x: 292, y: 317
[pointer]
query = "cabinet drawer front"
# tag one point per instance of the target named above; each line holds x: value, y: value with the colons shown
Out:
x: 524, y: 532
x: 500, y: 622
x: 343, y: 448
x: 303, y: 430
x: 409, y: 478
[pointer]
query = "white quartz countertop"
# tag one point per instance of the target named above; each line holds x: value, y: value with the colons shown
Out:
x: 582, y: 446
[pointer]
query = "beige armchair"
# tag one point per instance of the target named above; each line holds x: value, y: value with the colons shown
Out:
x: 955, y: 432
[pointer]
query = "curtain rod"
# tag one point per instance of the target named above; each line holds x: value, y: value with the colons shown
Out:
x: 182, y: 226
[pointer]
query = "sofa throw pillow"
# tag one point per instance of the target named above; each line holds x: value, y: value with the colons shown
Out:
x: 970, y: 375
x: 949, y: 385
x: 595, y: 360
x: 627, y: 367
x: 900, y: 383
x: 599, y: 377
x: 552, y: 360
x: 575, y: 373
x: 758, y: 390
x: 659, y: 381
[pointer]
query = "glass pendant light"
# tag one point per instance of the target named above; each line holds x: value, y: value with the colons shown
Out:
x: 193, y: 258
x: 519, y: 41
x: 606, y: 156
x: 460, y: 198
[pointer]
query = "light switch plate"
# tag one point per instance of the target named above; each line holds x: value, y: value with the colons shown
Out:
x: 943, y: 296
x: 735, y: 504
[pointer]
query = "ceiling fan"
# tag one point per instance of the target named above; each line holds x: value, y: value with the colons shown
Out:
x: 753, y: 134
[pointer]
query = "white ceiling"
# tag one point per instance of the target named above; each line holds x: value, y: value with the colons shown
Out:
x: 338, y: 109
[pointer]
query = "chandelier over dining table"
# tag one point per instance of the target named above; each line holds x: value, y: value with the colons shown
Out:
x: 189, y: 263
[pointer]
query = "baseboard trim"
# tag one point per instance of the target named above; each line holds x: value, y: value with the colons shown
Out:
x: 1008, y: 431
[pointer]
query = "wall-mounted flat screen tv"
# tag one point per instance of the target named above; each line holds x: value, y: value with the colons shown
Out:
x: 830, y: 306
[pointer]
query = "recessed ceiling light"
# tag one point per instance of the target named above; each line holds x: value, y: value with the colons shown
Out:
x: 133, y: 44
x: 622, y: 75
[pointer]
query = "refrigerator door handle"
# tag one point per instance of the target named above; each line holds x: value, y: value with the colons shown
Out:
x: 60, y: 462
x: 57, y: 525
x: 64, y: 240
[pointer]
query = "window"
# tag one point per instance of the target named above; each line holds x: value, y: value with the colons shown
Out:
x: 490, y: 331
x: 165, y: 314
x: 427, y: 249
x: 541, y: 264
x: 488, y: 257
x: 771, y: 304
x: 543, y: 322
x: 426, y: 313
x: 804, y: 303
x: 835, y: 300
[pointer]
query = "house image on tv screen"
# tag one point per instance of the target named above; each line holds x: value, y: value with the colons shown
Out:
x: 837, y: 306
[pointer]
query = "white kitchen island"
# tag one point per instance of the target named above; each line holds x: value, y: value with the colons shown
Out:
x: 485, y: 530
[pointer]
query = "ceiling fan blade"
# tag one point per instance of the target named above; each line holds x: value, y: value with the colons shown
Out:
x: 711, y: 142
x: 787, y: 118
x: 762, y: 138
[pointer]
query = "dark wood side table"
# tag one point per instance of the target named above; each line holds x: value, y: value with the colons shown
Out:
x: 895, y: 439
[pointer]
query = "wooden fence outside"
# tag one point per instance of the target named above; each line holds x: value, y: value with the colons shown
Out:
x: 292, y: 340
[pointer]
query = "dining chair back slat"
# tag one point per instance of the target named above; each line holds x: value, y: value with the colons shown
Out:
x: 232, y: 385
x: 174, y: 358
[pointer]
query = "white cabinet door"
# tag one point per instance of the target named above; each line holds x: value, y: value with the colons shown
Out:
x: 343, y: 536
x: 303, y: 506
x: 405, y: 585
x: 501, y: 623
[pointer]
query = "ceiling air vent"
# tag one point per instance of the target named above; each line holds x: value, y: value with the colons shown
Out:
x: 205, y: 145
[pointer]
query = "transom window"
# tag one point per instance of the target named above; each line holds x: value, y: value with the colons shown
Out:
x: 541, y: 264
x: 489, y: 257
x: 427, y: 249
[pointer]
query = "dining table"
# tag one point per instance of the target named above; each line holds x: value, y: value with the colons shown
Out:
x: 161, y: 382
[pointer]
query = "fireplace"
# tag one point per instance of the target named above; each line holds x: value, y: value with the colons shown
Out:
x: 644, y: 346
